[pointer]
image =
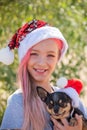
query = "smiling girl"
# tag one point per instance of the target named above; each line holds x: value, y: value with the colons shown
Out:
x: 40, y: 47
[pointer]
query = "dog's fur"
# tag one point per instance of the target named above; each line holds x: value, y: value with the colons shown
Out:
x: 59, y: 105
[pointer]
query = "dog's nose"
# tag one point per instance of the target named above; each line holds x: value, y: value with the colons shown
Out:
x: 56, y: 109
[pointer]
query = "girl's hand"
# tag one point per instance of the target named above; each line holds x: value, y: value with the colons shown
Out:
x: 58, y: 126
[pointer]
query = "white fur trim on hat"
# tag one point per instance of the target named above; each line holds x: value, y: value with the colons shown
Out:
x: 62, y: 82
x: 6, y: 56
x: 38, y: 35
x: 73, y: 95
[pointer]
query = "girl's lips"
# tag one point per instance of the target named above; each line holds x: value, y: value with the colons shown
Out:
x: 40, y: 70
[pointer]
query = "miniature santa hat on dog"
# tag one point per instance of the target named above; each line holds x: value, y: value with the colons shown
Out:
x: 29, y: 35
x: 72, y: 88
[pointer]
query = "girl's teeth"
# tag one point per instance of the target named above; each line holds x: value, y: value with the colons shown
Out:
x: 40, y: 70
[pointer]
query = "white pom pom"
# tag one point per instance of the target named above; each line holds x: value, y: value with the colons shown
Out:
x: 62, y: 82
x: 6, y: 56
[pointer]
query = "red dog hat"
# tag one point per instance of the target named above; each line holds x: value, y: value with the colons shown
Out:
x: 72, y: 88
x: 75, y: 84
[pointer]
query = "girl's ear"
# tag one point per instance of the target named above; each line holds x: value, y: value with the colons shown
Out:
x: 42, y: 93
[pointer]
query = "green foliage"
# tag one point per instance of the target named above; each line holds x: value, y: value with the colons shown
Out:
x: 70, y: 16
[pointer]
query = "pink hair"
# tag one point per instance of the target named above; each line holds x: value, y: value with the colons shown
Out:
x: 35, y: 115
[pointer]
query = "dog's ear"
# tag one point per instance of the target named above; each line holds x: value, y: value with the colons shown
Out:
x: 42, y: 93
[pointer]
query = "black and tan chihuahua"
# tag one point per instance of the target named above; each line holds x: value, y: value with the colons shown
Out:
x: 59, y: 105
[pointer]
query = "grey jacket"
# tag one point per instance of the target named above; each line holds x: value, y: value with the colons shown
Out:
x: 13, y: 116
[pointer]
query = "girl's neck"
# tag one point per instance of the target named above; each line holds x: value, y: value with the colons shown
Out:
x: 45, y: 85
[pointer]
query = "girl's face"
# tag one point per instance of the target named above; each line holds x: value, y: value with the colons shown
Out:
x: 43, y: 59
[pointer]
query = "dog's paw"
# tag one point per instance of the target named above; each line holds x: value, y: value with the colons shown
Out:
x: 73, y: 122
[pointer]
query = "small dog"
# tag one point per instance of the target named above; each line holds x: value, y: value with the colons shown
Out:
x: 59, y: 105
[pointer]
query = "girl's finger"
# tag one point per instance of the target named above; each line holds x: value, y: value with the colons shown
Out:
x: 65, y: 122
x: 54, y: 120
x: 79, y: 119
x: 57, y: 124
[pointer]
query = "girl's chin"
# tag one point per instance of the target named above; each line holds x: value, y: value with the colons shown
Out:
x: 40, y: 79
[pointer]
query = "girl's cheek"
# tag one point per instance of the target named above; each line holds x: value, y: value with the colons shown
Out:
x: 52, y: 60
x: 33, y: 58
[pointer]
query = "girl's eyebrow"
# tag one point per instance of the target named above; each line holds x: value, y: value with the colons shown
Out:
x: 34, y: 50
x: 47, y: 51
x: 52, y: 52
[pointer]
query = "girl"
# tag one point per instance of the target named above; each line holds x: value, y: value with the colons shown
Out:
x: 40, y: 47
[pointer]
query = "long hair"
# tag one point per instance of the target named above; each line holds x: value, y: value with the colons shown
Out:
x: 35, y: 116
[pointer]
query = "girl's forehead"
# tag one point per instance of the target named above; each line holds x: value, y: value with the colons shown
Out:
x: 49, y: 44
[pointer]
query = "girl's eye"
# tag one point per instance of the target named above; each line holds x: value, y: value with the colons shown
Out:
x: 33, y: 54
x: 51, y: 55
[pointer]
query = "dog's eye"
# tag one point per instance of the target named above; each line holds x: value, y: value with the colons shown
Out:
x: 62, y: 104
x: 60, y: 101
x: 51, y: 102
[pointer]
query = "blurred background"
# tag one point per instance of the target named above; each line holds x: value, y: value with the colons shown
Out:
x: 70, y: 16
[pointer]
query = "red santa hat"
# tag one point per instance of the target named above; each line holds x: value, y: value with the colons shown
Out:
x: 29, y: 35
x: 72, y: 88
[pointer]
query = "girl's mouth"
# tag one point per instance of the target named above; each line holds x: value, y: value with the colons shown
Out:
x: 40, y: 70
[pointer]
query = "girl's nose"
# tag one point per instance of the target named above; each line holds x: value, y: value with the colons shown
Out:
x: 42, y: 61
